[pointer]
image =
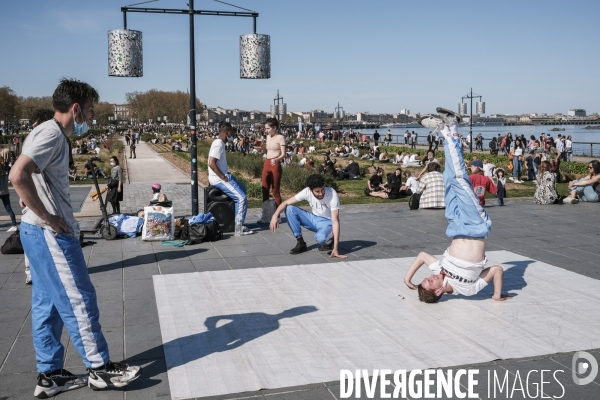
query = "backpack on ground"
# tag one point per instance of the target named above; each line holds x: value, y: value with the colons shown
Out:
x: 13, y: 244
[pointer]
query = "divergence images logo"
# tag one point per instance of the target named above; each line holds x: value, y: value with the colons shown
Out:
x: 584, y: 363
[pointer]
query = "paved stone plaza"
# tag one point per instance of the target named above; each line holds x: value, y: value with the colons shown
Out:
x: 565, y: 236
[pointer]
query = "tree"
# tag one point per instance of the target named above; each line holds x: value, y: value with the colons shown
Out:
x: 29, y: 104
x: 152, y: 104
x: 9, y: 105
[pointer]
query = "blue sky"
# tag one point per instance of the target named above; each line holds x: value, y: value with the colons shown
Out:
x: 378, y: 56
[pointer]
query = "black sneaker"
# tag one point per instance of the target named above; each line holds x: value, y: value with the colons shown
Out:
x: 61, y: 380
x: 112, y: 374
x: 300, y: 248
x: 326, y: 247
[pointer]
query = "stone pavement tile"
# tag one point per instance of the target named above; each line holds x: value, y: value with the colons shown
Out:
x: 237, y: 396
x: 551, y: 387
x: 140, y: 312
x: 565, y: 362
x: 15, y: 299
x: 153, y: 383
x: 310, y: 257
x: 268, y: 392
x: 21, y: 358
x: 136, y: 246
x: 139, y: 289
x: 143, y: 342
x: 89, y: 394
x: 230, y: 240
x: 263, y: 250
x: 234, y: 251
x: 319, y: 393
x: 111, y: 313
x: 139, y: 258
x: 171, y: 255
x: 18, y: 385
x: 584, y: 253
x: 276, y: 260
x: 176, y: 267
x: 212, y: 264
x: 195, y: 253
x: 140, y: 271
x: 15, y: 281
x: 244, y: 262
x: 109, y: 290
x: 4, y: 278
x: 8, y: 266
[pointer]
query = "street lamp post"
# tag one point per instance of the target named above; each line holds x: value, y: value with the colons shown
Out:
x: 125, y: 60
x: 471, y: 96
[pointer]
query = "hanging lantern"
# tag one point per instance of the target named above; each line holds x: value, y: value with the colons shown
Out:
x: 481, y: 107
x: 255, y: 56
x: 125, y: 53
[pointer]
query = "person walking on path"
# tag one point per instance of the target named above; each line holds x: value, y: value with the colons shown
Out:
x: 115, y: 185
x: 271, y: 173
x: 5, y: 196
x: 220, y: 177
x: 132, y: 149
x: 63, y: 294
x: 324, y: 219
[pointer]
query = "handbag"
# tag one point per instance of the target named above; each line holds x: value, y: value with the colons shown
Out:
x: 112, y: 183
x: 511, y: 155
x: 510, y: 165
x: 413, y: 202
x: 13, y: 244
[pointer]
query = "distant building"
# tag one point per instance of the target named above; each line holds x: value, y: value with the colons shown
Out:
x: 576, y: 112
x: 405, y: 111
x: 121, y: 111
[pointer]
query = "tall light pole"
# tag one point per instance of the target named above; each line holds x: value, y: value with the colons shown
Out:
x: 471, y: 96
x: 125, y: 60
x: 277, y: 108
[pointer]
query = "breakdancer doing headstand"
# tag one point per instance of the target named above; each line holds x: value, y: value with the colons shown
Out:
x: 462, y: 268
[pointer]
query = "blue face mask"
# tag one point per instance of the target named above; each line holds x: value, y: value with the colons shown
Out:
x: 80, y: 129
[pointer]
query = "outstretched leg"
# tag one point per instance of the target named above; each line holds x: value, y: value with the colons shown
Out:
x: 466, y: 217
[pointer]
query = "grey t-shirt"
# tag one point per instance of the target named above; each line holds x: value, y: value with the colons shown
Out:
x: 48, y: 148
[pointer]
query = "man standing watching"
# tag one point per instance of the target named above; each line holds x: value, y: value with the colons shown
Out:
x: 219, y: 176
x: 324, y: 219
x: 63, y: 294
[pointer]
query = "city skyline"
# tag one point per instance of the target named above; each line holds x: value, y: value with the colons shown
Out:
x: 521, y: 57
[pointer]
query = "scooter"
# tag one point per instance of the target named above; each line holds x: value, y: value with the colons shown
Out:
x: 106, y: 230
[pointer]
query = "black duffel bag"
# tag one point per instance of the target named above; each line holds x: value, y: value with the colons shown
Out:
x: 203, y: 233
x: 13, y: 244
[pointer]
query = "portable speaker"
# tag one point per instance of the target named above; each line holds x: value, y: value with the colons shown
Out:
x: 221, y: 206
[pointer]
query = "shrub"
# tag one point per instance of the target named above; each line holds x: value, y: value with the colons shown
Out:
x: 146, y: 137
x: 293, y: 178
x: 253, y: 190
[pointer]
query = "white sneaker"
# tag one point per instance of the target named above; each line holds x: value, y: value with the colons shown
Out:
x: 246, y: 231
x: 431, y: 121
x: 112, y: 375
x: 518, y: 181
x: 448, y: 116
x: 27, y: 279
x: 512, y: 179
x: 570, y: 200
x: 12, y: 229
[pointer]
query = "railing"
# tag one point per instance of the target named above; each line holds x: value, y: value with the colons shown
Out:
x: 584, y: 149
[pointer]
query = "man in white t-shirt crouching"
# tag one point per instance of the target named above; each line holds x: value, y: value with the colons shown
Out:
x: 324, y: 219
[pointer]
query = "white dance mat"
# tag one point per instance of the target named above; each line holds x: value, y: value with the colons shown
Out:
x: 244, y: 330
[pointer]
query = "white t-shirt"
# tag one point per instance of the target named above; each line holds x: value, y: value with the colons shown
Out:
x: 488, y: 169
x: 405, y: 160
x: 413, y: 184
x: 413, y: 158
x: 321, y: 208
x: 462, y: 269
x: 217, y: 150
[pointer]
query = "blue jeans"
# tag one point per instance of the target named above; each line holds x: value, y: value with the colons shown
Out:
x: 517, y: 167
x: 586, y: 193
x: 62, y: 295
x: 297, y: 218
x: 237, y: 191
x: 6, y: 201
x: 466, y: 217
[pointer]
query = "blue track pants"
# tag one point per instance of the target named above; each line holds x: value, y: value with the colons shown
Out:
x: 62, y: 295
x: 297, y: 218
x: 466, y: 217
x: 236, y: 190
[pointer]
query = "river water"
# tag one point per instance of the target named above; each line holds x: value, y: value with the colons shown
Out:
x: 578, y: 132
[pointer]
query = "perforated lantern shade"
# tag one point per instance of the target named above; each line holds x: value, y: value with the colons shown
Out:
x: 255, y: 56
x: 282, y: 109
x: 481, y: 107
x: 462, y: 108
x: 125, y: 53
